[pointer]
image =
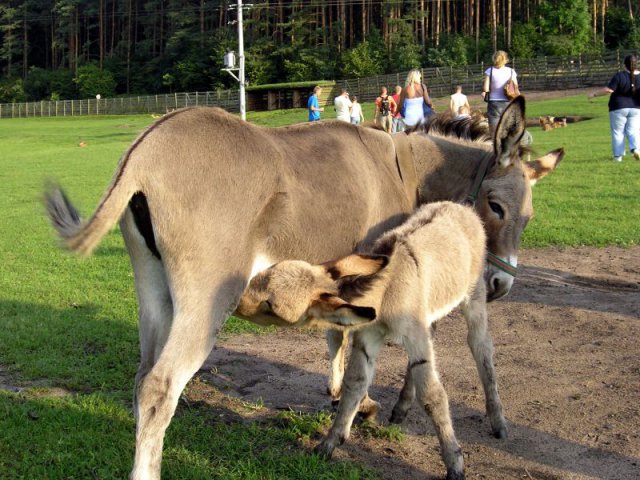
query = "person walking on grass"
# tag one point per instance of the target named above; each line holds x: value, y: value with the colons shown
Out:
x: 494, y: 81
x: 313, y: 105
x: 384, y: 110
x: 624, y: 108
x: 356, y: 111
x: 458, y: 100
x: 398, y: 123
x: 342, y: 106
x: 415, y: 104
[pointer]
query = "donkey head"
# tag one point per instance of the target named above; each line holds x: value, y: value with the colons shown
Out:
x: 504, y: 200
x: 296, y: 293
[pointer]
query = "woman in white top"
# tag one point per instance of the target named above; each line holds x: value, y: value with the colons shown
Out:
x: 356, y: 111
x: 494, y: 81
x: 413, y: 99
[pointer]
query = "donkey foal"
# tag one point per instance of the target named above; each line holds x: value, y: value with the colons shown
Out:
x: 414, y: 275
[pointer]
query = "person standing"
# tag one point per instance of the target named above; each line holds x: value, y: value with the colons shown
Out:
x: 313, y: 105
x: 398, y: 124
x: 624, y: 108
x: 493, y: 83
x: 342, y: 105
x: 356, y: 111
x: 415, y: 103
x: 458, y: 100
x: 384, y: 108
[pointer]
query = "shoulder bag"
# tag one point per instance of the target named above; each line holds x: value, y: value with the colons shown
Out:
x: 511, y: 89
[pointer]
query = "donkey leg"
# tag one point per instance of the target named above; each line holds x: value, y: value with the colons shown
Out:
x: 366, y: 346
x: 481, y: 345
x: 154, y: 299
x: 201, y: 306
x: 433, y: 397
x: 407, y: 396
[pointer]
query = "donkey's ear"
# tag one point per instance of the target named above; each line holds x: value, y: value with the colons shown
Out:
x: 536, y: 169
x: 356, y: 265
x: 509, y: 132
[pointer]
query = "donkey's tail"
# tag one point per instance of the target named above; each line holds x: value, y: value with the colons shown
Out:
x: 80, y: 236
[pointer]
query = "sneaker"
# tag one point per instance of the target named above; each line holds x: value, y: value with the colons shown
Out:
x: 636, y: 154
x: 617, y: 159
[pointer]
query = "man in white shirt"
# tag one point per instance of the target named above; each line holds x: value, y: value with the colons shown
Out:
x: 458, y: 100
x: 342, y: 105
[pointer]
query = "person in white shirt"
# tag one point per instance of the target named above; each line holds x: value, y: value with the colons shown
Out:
x: 458, y: 100
x: 494, y: 81
x: 356, y: 111
x: 342, y: 105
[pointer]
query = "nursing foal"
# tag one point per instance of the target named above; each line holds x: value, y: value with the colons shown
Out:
x: 412, y: 276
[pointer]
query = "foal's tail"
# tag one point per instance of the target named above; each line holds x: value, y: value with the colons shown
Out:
x: 83, y: 236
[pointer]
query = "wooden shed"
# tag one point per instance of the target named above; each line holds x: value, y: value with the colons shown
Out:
x: 287, y: 95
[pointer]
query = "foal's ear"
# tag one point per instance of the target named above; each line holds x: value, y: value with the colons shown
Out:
x: 536, y: 169
x: 509, y: 132
x: 333, y: 312
x: 356, y: 265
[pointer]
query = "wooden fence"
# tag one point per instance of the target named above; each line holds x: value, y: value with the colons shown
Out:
x: 228, y: 99
x: 539, y: 74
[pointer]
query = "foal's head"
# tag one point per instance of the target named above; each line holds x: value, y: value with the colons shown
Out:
x: 297, y: 293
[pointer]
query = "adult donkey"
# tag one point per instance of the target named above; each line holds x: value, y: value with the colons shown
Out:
x: 205, y: 200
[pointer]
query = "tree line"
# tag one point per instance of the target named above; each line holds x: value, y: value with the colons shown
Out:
x: 51, y: 49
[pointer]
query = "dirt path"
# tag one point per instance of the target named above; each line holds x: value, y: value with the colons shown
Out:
x: 568, y: 362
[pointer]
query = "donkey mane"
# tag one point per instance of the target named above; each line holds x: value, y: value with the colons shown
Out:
x: 474, y: 128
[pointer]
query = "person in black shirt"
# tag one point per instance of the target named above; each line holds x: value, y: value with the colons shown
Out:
x: 624, y: 108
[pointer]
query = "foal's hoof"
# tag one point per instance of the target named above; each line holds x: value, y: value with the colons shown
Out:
x: 455, y: 475
x: 324, y: 449
x: 501, y: 433
x: 499, y: 429
x: 397, y: 417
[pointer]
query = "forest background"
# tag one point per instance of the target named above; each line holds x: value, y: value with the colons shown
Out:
x: 69, y: 49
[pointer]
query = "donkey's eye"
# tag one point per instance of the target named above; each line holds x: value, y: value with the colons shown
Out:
x: 497, y: 209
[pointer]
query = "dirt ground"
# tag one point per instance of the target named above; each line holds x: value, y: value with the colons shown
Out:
x: 568, y: 364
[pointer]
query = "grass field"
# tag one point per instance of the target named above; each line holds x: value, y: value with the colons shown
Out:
x: 70, y: 326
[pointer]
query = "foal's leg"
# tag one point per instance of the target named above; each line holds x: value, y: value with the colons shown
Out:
x: 202, y: 301
x: 433, y: 397
x: 481, y: 345
x: 338, y: 343
x: 407, y: 396
x: 366, y: 345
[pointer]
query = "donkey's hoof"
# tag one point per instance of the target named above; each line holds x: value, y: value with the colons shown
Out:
x: 455, y: 475
x: 324, y: 449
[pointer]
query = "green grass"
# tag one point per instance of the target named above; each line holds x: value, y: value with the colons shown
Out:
x: 589, y: 200
x: 71, y: 323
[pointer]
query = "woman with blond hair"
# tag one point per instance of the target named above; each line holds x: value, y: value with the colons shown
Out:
x: 415, y: 103
x: 494, y: 81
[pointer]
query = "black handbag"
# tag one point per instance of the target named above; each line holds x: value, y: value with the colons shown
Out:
x: 487, y: 94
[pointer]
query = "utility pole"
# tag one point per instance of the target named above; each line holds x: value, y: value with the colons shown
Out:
x: 230, y: 63
x: 243, y: 102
